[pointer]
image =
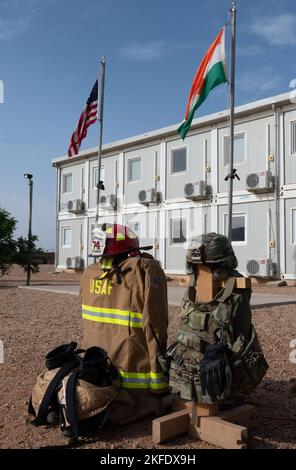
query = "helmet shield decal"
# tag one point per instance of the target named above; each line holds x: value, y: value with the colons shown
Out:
x: 98, y: 241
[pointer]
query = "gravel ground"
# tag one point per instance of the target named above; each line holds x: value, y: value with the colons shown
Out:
x: 32, y: 323
x: 47, y: 274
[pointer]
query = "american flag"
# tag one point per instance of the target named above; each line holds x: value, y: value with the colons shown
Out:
x: 88, y: 117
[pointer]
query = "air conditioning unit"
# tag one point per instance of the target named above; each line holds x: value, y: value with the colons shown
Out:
x: 148, y: 196
x: 108, y: 202
x: 196, y: 190
x: 260, y: 182
x: 74, y: 262
x: 76, y: 206
x: 259, y: 267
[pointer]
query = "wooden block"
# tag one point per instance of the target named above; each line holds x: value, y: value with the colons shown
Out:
x: 242, y: 415
x: 240, y: 283
x: 207, y: 409
x: 203, y: 409
x: 206, y: 288
x: 220, y: 433
x: 170, y: 426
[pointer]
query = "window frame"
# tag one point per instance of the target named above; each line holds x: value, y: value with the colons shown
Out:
x: 174, y: 149
x: 245, y: 149
x: 225, y: 227
x: 293, y: 138
x: 64, y: 228
x: 94, y: 179
x: 128, y: 172
x: 64, y: 175
x: 292, y: 210
x: 174, y: 244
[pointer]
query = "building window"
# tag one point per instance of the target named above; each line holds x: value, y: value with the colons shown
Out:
x: 134, y: 170
x: 177, y: 231
x: 67, y: 183
x: 238, y: 233
x: 179, y: 160
x: 66, y: 237
x: 95, y: 175
x: 239, y: 155
x: 293, y: 227
x: 293, y: 138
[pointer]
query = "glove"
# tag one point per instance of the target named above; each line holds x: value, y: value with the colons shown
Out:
x: 215, y: 372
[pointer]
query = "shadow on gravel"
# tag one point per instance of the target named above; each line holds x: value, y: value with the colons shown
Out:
x: 275, y: 416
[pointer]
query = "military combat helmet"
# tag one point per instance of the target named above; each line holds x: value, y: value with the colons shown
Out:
x: 211, y: 249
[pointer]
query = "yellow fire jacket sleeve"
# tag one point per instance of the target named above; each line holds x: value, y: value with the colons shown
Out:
x: 155, y: 319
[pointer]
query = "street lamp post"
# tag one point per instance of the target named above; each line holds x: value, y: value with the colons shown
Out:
x: 29, y: 177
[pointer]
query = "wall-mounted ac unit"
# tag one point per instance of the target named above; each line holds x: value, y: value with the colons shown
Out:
x: 148, y: 196
x: 74, y: 262
x: 108, y: 202
x: 76, y: 206
x: 261, y: 182
x: 196, y: 190
x: 259, y: 267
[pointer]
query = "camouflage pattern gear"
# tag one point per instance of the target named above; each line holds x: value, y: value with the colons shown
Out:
x: 226, y: 318
x: 212, y: 249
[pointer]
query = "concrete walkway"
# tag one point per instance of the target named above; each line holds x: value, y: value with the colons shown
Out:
x: 175, y: 295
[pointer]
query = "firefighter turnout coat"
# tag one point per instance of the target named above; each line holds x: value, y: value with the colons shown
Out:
x: 128, y: 319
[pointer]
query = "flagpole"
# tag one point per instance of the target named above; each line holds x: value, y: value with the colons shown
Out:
x: 231, y: 174
x: 101, y: 87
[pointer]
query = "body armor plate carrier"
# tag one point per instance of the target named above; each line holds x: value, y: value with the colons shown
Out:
x: 217, y: 354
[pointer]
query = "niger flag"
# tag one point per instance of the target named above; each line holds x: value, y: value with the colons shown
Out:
x: 211, y: 73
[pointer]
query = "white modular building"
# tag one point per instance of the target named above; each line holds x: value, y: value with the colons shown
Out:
x: 169, y: 190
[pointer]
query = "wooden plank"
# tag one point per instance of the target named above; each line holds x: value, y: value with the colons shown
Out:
x: 220, y: 433
x: 203, y: 409
x: 240, y: 283
x: 170, y: 426
x: 205, y: 285
x: 207, y: 409
x: 242, y: 415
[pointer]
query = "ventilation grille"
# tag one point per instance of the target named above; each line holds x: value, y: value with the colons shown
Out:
x: 253, y: 267
x: 252, y: 180
x: 70, y: 205
x: 142, y: 195
x: 103, y: 200
x: 69, y: 262
x: 189, y: 189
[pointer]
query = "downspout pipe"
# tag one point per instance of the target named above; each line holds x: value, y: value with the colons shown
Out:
x: 277, y: 188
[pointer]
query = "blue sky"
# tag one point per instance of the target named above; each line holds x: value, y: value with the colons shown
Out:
x: 49, y: 56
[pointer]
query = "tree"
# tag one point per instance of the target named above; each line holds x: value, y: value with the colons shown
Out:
x: 7, y: 244
x: 27, y: 254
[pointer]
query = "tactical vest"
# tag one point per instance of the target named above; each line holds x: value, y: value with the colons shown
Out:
x: 222, y: 325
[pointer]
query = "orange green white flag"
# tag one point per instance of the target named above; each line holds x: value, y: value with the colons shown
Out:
x: 211, y: 73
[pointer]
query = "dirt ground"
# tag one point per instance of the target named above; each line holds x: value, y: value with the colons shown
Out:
x: 32, y: 323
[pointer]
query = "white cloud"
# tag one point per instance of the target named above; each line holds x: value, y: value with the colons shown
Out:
x: 16, y: 16
x: 264, y: 80
x: 277, y: 31
x: 145, y: 51
x: 9, y: 28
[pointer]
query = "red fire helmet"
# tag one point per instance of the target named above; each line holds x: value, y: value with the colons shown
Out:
x: 120, y: 239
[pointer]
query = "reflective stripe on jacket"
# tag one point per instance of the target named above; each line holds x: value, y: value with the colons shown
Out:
x: 119, y: 317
